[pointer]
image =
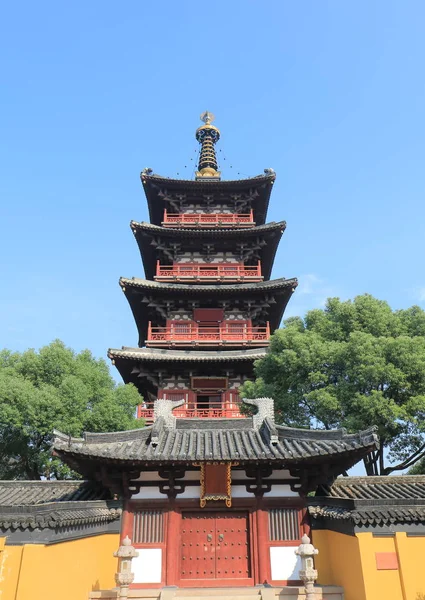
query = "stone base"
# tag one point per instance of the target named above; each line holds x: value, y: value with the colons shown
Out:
x: 323, y: 592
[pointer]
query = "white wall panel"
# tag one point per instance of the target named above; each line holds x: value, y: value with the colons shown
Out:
x: 285, y: 564
x: 147, y: 567
x: 281, y: 491
x: 148, y: 493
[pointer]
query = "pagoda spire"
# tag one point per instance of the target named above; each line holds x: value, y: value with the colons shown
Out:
x: 207, y: 135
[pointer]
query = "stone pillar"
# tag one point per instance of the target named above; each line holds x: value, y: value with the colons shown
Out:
x: 308, y: 573
x: 124, y: 576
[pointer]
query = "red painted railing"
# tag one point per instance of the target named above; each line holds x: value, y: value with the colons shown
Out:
x: 192, y: 334
x: 202, y: 272
x: 229, y: 407
x: 193, y: 411
x: 208, y: 219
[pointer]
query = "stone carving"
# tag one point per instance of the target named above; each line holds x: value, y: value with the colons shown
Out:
x: 164, y: 408
x: 265, y: 409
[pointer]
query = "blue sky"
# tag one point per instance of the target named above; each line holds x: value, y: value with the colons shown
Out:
x: 329, y: 94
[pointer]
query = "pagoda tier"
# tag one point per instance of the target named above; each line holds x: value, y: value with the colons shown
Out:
x: 207, y: 246
x: 183, y: 196
x: 153, y: 369
x: 158, y: 303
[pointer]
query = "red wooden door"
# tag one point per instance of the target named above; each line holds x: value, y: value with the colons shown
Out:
x: 215, y: 546
x: 232, y: 546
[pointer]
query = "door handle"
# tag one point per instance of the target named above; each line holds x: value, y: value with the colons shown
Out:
x: 220, y: 537
x: 209, y: 538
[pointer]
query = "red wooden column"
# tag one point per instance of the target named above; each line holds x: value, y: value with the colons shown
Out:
x: 126, y: 522
x: 172, y: 561
x: 262, y: 542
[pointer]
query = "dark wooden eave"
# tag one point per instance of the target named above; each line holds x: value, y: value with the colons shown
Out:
x: 155, y: 186
x: 261, y: 242
x: 147, y: 297
x: 141, y: 366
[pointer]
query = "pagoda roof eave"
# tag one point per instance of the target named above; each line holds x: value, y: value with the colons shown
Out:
x: 219, y: 288
x: 163, y: 355
x: 135, y: 291
x: 145, y: 233
x: 131, y: 363
x: 154, y: 183
x: 212, y: 232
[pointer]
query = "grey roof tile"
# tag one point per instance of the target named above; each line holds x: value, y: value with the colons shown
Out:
x: 212, y: 443
x: 156, y: 354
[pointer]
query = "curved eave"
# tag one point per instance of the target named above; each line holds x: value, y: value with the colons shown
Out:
x: 129, y: 361
x: 296, y: 451
x: 154, y: 184
x: 136, y: 291
x: 145, y: 233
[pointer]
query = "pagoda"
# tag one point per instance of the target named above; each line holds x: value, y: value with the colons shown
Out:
x: 212, y: 496
x: 207, y: 307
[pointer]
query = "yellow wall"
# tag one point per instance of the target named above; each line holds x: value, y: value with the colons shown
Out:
x: 411, y: 553
x: 384, y: 583
x: 350, y: 561
x: 66, y: 570
x: 338, y: 563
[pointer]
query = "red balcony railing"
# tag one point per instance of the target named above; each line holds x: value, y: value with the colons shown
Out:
x: 219, y: 220
x: 192, y: 334
x: 226, y: 409
x: 210, y: 272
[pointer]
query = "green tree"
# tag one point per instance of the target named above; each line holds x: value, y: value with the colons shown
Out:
x: 55, y: 388
x: 353, y: 365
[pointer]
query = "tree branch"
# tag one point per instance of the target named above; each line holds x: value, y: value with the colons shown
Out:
x: 420, y: 453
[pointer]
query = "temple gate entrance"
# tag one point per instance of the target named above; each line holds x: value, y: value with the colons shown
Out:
x: 215, y: 545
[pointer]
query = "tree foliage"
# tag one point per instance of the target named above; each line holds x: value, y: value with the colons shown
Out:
x: 55, y: 388
x: 353, y: 365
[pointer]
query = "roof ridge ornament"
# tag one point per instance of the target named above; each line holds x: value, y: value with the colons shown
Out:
x: 207, y: 135
x: 265, y: 410
x: 164, y: 408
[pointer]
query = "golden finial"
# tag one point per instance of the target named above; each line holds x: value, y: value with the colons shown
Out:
x: 207, y: 117
x: 207, y: 135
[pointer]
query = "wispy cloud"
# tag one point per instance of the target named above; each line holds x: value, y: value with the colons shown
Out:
x: 312, y: 292
x: 418, y: 293
x: 421, y: 294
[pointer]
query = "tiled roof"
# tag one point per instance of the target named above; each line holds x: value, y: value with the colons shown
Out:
x: 378, y: 488
x: 222, y: 441
x: 157, y: 354
x: 206, y: 233
x: 29, y: 493
x: 53, y: 504
x: 383, y: 515
x: 51, y: 515
x: 172, y: 288
x: 368, y: 501
x: 217, y: 184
